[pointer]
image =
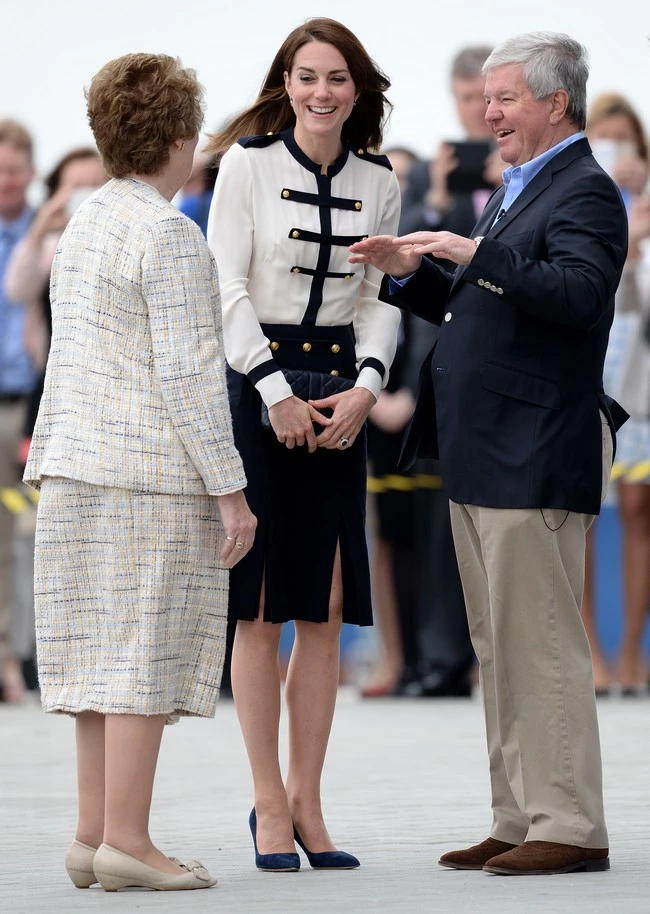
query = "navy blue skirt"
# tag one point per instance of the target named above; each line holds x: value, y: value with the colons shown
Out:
x: 305, y: 503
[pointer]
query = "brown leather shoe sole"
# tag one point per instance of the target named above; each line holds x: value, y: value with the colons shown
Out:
x: 585, y: 866
x: 546, y: 858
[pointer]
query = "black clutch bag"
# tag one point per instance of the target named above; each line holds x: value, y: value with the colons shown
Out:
x: 311, y: 385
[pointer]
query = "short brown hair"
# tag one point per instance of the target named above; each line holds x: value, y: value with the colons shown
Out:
x: 138, y: 105
x: 272, y: 112
x: 610, y: 104
x: 14, y: 134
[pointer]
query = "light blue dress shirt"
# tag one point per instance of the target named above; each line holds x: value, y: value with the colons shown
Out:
x: 516, y: 177
x: 17, y: 375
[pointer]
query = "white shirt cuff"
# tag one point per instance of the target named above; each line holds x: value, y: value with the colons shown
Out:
x: 371, y: 380
x: 273, y: 388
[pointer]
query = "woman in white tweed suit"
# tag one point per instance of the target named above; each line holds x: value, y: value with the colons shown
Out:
x: 141, y: 511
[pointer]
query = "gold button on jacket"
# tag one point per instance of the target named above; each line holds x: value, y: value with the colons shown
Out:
x: 306, y: 347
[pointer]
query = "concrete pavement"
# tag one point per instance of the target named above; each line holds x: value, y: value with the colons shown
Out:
x: 405, y: 781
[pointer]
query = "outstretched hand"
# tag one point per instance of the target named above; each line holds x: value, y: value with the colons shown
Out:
x: 445, y: 245
x: 383, y: 252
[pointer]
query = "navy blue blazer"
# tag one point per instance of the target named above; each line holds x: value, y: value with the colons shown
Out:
x: 509, y: 396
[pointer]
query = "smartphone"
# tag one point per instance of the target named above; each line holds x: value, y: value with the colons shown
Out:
x: 468, y: 176
x: 76, y: 198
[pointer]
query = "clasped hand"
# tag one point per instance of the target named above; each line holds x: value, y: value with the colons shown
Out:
x: 402, y: 256
x: 292, y: 419
x: 350, y: 411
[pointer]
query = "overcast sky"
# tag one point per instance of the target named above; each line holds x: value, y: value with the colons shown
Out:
x: 50, y: 50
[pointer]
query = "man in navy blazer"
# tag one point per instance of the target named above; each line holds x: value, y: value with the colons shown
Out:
x: 511, y: 401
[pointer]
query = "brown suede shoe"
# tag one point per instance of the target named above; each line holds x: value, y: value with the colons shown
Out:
x: 475, y: 857
x: 545, y: 858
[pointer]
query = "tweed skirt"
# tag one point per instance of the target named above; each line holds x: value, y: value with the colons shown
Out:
x: 131, y: 601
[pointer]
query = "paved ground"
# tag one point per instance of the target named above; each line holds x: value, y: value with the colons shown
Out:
x: 405, y: 781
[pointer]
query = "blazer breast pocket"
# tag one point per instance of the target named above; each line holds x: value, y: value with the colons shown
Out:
x: 521, y: 239
x: 520, y: 385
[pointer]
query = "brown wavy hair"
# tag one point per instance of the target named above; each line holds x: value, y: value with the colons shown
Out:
x: 610, y: 104
x: 271, y: 111
x: 138, y: 105
x: 53, y: 181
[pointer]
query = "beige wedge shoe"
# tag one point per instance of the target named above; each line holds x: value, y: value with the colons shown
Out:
x: 79, y: 864
x: 117, y: 870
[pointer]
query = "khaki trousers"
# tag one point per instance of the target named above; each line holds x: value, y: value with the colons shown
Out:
x: 12, y: 416
x: 523, y: 575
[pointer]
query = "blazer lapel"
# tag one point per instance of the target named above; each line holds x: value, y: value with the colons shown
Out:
x: 491, y: 229
x: 540, y: 182
x: 482, y: 227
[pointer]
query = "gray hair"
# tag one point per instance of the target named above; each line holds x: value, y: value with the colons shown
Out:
x: 469, y: 61
x: 550, y: 61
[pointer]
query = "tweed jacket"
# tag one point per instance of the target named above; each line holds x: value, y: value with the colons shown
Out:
x: 135, y: 394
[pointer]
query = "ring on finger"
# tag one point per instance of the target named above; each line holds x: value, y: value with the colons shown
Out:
x: 230, y: 538
x: 239, y: 545
x: 343, y: 441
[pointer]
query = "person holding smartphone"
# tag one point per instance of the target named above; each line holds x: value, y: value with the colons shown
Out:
x: 430, y: 202
x: 77, y: 175
x: 620, y: 146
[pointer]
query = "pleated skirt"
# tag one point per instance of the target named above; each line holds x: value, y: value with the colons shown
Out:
x: 131, y: 601
x: 306, y: 504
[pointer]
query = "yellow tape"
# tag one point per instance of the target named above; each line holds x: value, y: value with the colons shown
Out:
x: 393, y: 482
x: 637, y: 472
x: 18, y: 499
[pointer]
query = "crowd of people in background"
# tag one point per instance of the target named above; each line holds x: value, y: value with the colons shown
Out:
x: 423, y: 647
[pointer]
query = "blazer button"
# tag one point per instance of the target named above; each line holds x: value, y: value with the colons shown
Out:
x: 275, y: 346
x: 336, y: 348
x: 481, y: 282
x: 335, y: 373
x: 296, y: 270
x: 357, y: 205
x: 295, y: 233
x: 306, y: 347
x: 448, y: 316
x: 286, y: 194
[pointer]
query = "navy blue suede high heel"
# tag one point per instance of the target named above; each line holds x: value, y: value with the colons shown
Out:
x: 272, y: 863
x: 327, y: 860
